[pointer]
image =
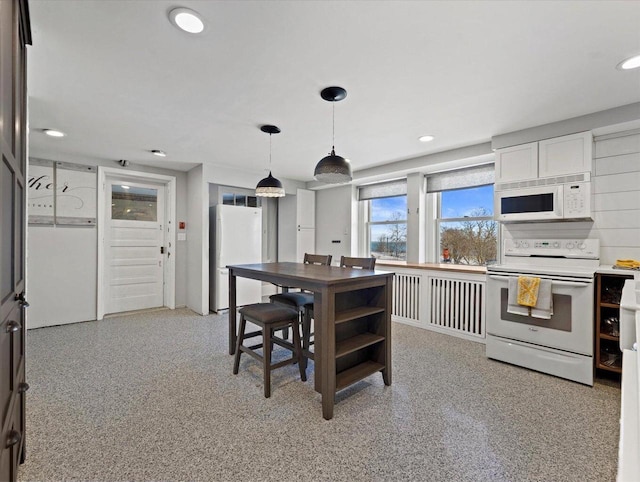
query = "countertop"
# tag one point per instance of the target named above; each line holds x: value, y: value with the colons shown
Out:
x: 459, y: 268
x: 609, y: 269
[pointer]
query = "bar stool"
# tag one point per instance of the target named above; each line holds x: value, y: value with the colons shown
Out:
x: 269, y: 317
x: 303, y: 303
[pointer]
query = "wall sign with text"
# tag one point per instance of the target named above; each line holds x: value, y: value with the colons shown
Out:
x: 61, y: 193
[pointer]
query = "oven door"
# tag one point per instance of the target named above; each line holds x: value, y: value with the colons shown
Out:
x: 570, y: 327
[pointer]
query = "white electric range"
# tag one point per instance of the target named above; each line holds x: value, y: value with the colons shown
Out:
x: 562, y: 345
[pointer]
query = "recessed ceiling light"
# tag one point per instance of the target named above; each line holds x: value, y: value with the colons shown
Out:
x: 54, y: 133
x: 186, y: 19
x: 426, y: 138
x: 630, y: 63
x: 159, y: 153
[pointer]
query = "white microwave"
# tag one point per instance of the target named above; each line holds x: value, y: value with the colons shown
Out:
x: 557, y: 202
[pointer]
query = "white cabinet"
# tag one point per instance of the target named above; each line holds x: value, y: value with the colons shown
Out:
x: 517, y: 163
x: 565, y: 155
x: 306, y: 209
x: 296, y: 225
x: 558, y: 156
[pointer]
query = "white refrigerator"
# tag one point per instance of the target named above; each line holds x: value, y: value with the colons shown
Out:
x: 237, y: 239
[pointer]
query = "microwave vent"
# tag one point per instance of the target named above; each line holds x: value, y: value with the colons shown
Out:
x: 545, y: 181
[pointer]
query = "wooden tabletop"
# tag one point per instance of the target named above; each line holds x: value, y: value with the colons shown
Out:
x: 324, y: 275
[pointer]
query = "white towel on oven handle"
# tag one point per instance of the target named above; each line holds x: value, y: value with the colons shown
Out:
x: 544, y: 305
x: 512, y: 301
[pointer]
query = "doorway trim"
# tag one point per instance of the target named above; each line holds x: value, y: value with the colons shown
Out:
x: 169, y: 182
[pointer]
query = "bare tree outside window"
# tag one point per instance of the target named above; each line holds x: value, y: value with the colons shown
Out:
x: 472, y: 241
x: 392, y: 244
x: 467, y: 232
x: 388, y: 228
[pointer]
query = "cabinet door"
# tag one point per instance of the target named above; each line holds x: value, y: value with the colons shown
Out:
x: 305, y: 242
x: 306, y: 209
x: 517, y: 163
x: 565, y: 155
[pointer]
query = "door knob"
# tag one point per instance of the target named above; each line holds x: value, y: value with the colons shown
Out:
x: 12, y: 326
x: 23, y: 387
x: 23, y: 302
x: 13, y: 438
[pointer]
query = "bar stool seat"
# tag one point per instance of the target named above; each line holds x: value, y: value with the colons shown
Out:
x: 269, y: 317
x: 295, y: 299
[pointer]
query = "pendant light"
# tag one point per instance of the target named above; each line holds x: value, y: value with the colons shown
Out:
x: 270, y: 186
x: 333, y: 169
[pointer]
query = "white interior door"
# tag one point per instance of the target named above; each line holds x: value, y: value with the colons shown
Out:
x: 134, y: 246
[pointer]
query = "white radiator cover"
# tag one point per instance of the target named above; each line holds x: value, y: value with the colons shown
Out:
x: 447, y: 302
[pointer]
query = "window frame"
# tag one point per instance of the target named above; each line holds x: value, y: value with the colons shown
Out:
x: 368, y: 223
x: 437, y: 220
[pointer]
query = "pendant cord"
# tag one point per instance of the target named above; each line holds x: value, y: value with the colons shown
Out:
x: 269, y: 152
x: 333, y: 132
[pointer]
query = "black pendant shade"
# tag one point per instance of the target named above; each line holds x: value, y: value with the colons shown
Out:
x: 333, y: 169
x: 269, y: 186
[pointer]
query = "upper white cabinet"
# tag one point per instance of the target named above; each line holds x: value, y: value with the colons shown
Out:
x: 306, y: 208
x: 565, y: 155
x: 548, y: 158
x: 517, y: 163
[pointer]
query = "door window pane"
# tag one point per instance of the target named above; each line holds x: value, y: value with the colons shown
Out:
x: 134, y: 203
x: 6, y: 231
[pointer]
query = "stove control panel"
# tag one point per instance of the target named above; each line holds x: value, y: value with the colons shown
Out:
x: 567, y: 248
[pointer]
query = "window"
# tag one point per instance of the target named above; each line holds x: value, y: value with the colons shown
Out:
x: 387, y: 227
x: 134, y: 203
x: 467, y: 233
x: 240, y: 199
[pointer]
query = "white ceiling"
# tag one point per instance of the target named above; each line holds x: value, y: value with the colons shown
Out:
x: 120, y: 79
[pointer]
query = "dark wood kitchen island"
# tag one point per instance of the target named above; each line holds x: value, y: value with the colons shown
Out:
x: 352, y: 316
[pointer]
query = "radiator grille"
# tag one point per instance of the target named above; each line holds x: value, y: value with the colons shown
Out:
x: 406, y: 296
x: 457, y: 305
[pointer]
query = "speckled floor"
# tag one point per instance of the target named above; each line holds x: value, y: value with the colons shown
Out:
x: 152, y: 397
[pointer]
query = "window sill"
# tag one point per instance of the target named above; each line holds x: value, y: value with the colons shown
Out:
x: 460, y: 268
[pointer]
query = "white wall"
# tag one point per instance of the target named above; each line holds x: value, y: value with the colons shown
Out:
x: 198, y: 242
x: 62, y: 265
x: 334, y: 221
x: 615, y: 202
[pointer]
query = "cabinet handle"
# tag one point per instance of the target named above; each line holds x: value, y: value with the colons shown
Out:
x: 23, y: 387
x: 23, y: 302
x: 13, y: 438
x: 12, y: 326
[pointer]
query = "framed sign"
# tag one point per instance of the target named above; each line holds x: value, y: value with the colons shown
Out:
x: 62, y: 193
x: 41, y: 192
x: 75, y: 194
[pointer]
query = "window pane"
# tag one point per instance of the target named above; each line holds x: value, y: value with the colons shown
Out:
x: 468, y: 242
x: 134, y: 203
x: 389, y: 209
x: 227, y: 198
x: 472, y: 202
x: 241, y: 200
x: 388, y: 241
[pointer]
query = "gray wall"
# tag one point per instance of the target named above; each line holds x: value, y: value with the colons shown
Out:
x: 62, y: 264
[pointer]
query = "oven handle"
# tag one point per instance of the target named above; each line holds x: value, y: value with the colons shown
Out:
x: 577, y: 284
